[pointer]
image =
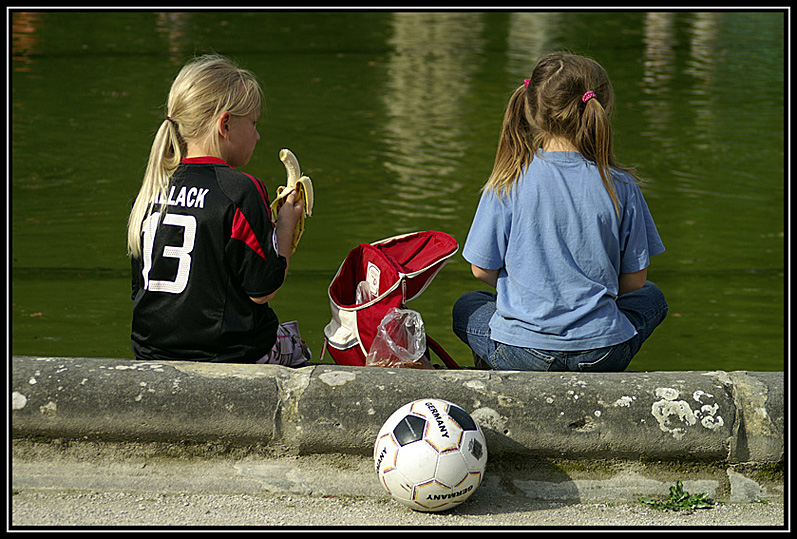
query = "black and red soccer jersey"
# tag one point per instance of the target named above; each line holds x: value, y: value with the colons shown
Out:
x: 202, y: 259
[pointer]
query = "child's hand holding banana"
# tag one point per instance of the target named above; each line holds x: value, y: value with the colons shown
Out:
x: 304, y: 191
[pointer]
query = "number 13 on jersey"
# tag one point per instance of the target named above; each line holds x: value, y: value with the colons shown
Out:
x: 182, y: 253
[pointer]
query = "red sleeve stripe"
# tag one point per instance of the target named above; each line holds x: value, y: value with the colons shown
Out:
x: 242, y: 231
x: 262, y: 190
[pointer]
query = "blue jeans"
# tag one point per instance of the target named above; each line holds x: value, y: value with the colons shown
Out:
x: 646, y: 308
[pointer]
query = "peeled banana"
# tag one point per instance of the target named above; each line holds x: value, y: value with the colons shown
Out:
x: 304, y: 191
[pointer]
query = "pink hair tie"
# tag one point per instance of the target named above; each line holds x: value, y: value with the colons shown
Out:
x: 526, y: 82
x: 589, y: 94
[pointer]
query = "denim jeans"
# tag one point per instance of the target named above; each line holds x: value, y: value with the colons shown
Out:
x: 646, y: 308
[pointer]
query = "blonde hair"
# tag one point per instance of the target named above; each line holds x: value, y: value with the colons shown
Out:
x: 205, y: 88
x: 550, y: 106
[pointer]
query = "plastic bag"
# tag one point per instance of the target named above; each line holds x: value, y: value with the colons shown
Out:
x: 400, y: 341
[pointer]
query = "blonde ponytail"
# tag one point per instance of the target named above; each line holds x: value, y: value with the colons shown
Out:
x: 164, y: 158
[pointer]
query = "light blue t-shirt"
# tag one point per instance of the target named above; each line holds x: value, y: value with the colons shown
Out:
x: 560, y: 248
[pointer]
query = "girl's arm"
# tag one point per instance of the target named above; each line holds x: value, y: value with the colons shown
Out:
x: 632, y: 281
x: 288, y: 217
x: 488, y: 276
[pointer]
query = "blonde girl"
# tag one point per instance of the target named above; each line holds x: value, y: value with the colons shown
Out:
x: 562, y: 232
x: 205, y: 253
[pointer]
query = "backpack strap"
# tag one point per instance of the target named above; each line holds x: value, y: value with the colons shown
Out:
x: 441, y: 353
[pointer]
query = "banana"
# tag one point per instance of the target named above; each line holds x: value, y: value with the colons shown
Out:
x: 304, y: 191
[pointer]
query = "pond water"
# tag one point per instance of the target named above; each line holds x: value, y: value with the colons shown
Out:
x: 395, y: 116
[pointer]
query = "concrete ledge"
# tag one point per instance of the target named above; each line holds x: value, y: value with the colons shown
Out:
x: 730, y: 417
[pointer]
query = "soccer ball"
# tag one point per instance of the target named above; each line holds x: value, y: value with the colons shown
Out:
x: 430, y: 455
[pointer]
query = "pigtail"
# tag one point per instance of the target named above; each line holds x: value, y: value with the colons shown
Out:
x: 164, y: 158
x: 514, y: 145
x: 594, y: 141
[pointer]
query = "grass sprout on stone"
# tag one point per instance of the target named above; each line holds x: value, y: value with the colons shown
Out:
x: 680, y: 500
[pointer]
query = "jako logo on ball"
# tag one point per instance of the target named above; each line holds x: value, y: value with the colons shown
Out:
x: 430, y: 455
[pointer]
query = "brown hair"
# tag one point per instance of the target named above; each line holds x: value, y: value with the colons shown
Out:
x: 550, y: 106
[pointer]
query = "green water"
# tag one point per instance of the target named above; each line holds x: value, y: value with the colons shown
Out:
x: 395, y: 117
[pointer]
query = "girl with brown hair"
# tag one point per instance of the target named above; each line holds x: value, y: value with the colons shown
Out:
x: 562, y: 232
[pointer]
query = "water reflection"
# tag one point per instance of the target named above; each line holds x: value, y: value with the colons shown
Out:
x: 679, y: 109
x: 702, y: 65
x: 25, y: 39
x: 658, y: 63
x: 431, y: 68
x: 703, y: 37
x: 660, y: 68
x: 173, y: 26
x: 528, y: 38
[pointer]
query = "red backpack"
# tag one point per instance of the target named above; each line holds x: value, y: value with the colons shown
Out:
x: 393, y: 271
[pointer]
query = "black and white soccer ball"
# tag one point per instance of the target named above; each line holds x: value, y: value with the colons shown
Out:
x: 430, y: 455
